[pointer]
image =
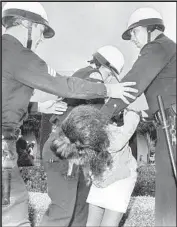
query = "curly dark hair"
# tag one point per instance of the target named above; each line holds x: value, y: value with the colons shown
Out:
x: 82, y: 136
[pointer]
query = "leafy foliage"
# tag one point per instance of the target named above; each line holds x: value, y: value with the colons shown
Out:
x: 35, y: 180
x: 140, y: 212
x: 32, y: 125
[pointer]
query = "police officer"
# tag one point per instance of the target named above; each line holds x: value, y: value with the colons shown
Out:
x: 68, y: 196
x: 26, y: 26
x: 155, y: 74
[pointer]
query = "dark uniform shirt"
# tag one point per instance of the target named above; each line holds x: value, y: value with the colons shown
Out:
x: 83, y: 73
x: 23, y: 70
x: 155, y: 74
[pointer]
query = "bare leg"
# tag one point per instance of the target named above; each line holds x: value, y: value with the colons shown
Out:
x: 95, y: 216
x: 111, y: 218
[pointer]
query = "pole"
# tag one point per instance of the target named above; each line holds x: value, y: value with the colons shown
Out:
x: 167, y: 134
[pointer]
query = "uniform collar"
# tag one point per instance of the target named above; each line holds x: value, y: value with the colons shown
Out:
x: 11, y: 39
x: 160, y: 36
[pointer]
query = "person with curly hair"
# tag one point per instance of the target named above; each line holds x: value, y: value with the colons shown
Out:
x: 26, y: 26
x: 86, y: 138
x: 67, y: 188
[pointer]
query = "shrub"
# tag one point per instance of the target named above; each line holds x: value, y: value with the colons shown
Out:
x: 35, y: 180
x: 145, y: 185
x: 140, y: 211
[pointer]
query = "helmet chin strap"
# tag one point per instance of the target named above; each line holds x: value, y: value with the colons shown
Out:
x: 29, y: 41
x: 149, y: 36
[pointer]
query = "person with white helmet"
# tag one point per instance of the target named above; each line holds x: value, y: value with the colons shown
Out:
x: 69, y: 196
x: 155, y: 74
x: 26, y: 26
x: 109, y: 195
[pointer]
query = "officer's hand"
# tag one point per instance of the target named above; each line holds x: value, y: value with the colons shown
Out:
x: 52, y: 107
x: 121, y: 91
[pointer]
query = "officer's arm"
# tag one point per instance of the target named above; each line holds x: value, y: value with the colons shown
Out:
x: 33, y: 72
x: 152, y: 60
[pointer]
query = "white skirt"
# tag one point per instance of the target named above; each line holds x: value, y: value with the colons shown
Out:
x: 116, y: 196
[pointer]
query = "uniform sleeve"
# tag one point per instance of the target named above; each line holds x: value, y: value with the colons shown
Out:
x: 152, y: 60
x: 34, y: 72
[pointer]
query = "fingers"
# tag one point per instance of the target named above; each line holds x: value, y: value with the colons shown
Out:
x: 126, y: 94
x: 59, y: 98
x: 58, y: 112
x: 129, y: 95
x: 125, y: 100
x: 130, y: 89
x: 128, y: 84
x: 61, y: 103
x: 60, y: 109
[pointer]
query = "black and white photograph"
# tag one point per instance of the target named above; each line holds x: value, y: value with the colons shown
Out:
x: 88, y: 118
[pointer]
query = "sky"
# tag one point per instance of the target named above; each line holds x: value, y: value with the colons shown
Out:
x: 82, y: 27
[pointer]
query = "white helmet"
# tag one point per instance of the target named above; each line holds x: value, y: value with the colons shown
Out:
x: 143, y: 17
x: 111, y: 57
x: 32, y: 11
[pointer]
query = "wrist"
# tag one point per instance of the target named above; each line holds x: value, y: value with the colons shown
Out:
x: 39, y: 107
x: 107, y: 91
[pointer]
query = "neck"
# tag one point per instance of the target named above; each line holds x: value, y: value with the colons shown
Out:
x: 106, y: 77
x: 154, y: 35
x: 19, y: 32
x: 93, y: 66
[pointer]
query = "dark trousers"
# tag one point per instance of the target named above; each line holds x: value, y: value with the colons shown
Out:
x: 15, y: 213
x: 68, y: 196
x: 165, y: 198
x: 45, y: 130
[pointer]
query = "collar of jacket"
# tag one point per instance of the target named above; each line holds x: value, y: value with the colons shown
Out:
x: 160, y: 36
x: 11, y: 39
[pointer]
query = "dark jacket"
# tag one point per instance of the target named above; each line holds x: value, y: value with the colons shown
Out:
x: 83, y: 73
x: 23, y: 70
x: 49, y: 119
x: 155, y: 74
